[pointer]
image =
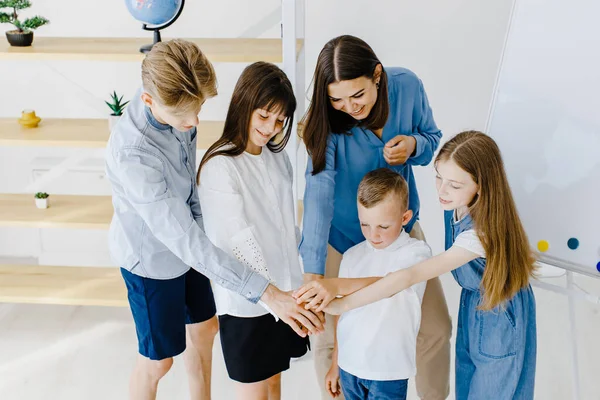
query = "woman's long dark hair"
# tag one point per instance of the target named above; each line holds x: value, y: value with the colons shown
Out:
x: 343, y: 58
x: 261, y: 85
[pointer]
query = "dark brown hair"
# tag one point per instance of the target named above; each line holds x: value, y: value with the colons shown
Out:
x: 343, y: 58
x: 510, y: 261
x: 261, y: 85
x: 376, y: 185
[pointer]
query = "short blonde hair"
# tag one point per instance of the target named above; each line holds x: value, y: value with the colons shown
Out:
x: 376, y: 185
x: 178, y: 75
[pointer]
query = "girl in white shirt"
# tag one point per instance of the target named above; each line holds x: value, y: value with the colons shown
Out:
x: 246, y: 194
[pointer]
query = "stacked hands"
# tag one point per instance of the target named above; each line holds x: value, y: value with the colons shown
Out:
x: 319, y: 295
x: 304, y: 309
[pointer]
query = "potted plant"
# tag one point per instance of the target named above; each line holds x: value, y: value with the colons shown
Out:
x: 41, y: 200
x: 23, y: 35
x: 117, y: 109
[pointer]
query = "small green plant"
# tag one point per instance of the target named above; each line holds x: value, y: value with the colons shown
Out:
x: 12, y: 17
x: 41, y: 195
x: 115, y: 105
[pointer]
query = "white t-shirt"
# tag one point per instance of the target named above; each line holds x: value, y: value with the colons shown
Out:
x: 378, y: 341
x: 469, y: 240
x: 248, y: 210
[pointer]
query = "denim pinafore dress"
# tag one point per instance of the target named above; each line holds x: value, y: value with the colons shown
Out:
x: 495, y: 350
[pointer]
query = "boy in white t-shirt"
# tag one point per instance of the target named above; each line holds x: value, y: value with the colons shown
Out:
x: 375, y: 345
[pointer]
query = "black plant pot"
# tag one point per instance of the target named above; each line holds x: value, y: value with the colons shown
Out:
x: 19, y: 39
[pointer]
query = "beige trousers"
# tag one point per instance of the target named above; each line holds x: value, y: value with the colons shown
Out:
x: 433, y: 341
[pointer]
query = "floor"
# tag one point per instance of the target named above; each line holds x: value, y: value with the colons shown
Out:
x: 73, y: 353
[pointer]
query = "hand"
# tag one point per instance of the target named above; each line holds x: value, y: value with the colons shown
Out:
x: 317, y: 294
x: 289, y: 311
x: 399, y: 149
x: 336, y: 307
x: 332, y: 380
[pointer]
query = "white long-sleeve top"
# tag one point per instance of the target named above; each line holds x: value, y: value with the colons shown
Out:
x: 248, y: 211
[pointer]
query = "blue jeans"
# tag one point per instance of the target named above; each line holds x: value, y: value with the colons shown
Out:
x: 355, y: 388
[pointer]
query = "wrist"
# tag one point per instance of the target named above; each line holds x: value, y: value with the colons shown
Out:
x: 414, y: 146
x: 338, y: 288
x: 309, y: 276
x: 345, y: 304
x: 269, y: 294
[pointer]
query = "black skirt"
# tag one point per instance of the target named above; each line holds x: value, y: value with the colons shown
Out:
x: 258, y: 348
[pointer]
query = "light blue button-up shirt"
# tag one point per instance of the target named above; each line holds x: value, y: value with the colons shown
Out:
x: 350, y: 156
x: 156, y: 230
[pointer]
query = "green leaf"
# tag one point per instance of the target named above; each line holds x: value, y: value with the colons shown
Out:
x: 5, y: 18
x: 115, y: 105
x: 35, y: 22
x: 111, y: 106
x: 18, y: 4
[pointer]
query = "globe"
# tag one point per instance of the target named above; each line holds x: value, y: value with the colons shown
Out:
x: 153, y: 12
x: 155, y: 15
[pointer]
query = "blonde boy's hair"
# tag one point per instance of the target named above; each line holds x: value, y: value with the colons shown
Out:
x: 376, y: 185
x: 178, y: 75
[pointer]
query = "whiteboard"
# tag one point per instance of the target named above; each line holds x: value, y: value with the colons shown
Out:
x: 545, y: 116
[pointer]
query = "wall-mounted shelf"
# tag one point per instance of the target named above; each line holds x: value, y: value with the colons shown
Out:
x: 72, y: 212
x: 85, y: 133
x: 78, y: 286
x: 127, y: 49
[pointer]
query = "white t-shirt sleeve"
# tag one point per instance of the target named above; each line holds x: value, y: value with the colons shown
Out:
x: 469, y: 240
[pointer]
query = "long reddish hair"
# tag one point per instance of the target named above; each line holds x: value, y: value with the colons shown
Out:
x: 510, y: 261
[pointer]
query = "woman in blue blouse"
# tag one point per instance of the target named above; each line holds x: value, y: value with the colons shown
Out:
x: 363, y: 117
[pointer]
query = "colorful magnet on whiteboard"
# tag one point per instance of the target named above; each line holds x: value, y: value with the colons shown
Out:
x: 598, y: 266
x: 543, y: 246
x: 573, y: 243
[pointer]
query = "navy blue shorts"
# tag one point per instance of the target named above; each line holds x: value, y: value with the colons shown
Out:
x: 162, y: 308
